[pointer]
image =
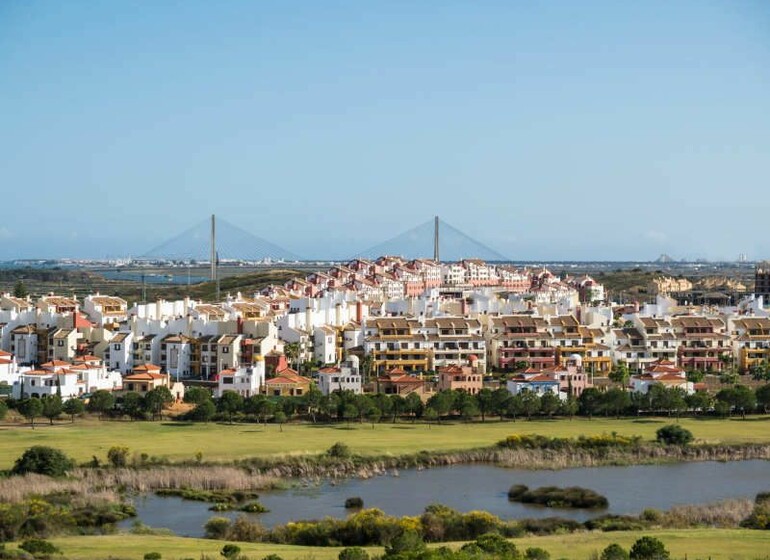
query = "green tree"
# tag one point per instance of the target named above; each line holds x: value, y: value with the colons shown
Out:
x: 349, y: 412
x: 500, y: 400
x: 430, y: 415
x: 52, y: 407
x: 412, y: 404
x: 616, y: 401
x: 133, y: 405
x: 620, y: 375
x: 312, y: 401
x: 203, y: 411
x: 549, y: 404
x: 291, y: 350
x: 100, y: 402
x: 156, y: 399
x: 695, y: 376
x: 485, y: 402
x: 700, y: 401
x: 648, y: 548
x: 762, y: 395
x: 230, y: 403
x: 614, y: 552
x: 73, y: 407
x: 590, y: 401
x: 20, y: 290
x: 373, y: 415
x: 41, y: 459
x: 196, y: 395
x: 3, y: 410
x: 279, y: 417
x: 30, y: 409
x: 530, y: 403
x: 569, y: 407
x: 468, y: 410
x: 442, y: 403
x: 515, y: 406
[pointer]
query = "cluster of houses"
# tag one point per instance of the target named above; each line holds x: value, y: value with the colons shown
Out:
x: 388, y: 325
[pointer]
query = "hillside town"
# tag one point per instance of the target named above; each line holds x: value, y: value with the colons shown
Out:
x: 390, y: 326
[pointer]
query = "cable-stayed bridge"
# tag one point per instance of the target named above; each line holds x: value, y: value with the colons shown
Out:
x: 232, y: 242
x: 434, y: 238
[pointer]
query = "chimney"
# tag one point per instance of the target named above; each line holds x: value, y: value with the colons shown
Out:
x: 359, y: 312
x: 338, y: 315
x: 239, y: 325
x: 158, y: 308
x: 308, y: 317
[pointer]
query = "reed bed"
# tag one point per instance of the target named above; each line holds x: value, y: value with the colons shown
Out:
x: 105, y: 484
x: 724, y: 514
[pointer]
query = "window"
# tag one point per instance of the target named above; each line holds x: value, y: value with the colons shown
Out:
x: 116, y: 346
x: 227, y: 380
x: 225, y: 350
x: 60, y: 343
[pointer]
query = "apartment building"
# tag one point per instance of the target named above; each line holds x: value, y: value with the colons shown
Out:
x: 703, y: 343
x: 520, y: 341
x: 396, y: 342
x: 455, y: 341
x: 751, y: 343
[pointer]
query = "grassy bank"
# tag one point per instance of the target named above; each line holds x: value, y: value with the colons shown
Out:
x: 717, y: 544
x: 225, y: 443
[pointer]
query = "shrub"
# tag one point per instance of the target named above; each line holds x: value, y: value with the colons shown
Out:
x: 648, y: 548
x: 614, y: 552
x: 497, y: 545
x: 41, y: 459
x: 408, y: 541
x: 217, y: 527
x: 253, y: 507
x: 615, y: 523
x: 354, y: 503
x: 118, y: 456
x: 517, y: 491
x: 153, y: 556
x: 353, y: 553
x: 552, y: 496
x: 39, y: 546
x: 549, y: 525
x: 230, y: 551
x: 339, y: 450
x: 536, y: 553
x: 674, y: 435
x: 272, y: 557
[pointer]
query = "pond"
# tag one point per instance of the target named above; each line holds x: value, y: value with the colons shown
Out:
x: 483, y: 487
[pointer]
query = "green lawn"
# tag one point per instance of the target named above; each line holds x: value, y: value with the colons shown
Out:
x: 717, y: 544
x: 223, y: 442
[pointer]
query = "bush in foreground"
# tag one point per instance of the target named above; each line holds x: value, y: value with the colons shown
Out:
x: 41, y: 459
x: 674, y: 435
x: 648, y: 548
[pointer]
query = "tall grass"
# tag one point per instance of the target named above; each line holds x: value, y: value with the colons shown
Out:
x: 724, y: 514
x: 104, y: 484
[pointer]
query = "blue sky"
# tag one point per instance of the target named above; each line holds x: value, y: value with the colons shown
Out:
x: 547, y: 130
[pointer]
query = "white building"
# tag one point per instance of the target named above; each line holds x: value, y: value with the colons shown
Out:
x: 324, y: 345
x: 246, y: 381
x: 345, y: 377
x: 119, y: 355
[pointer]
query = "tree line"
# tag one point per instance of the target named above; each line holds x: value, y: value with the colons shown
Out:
x: 345, y: 406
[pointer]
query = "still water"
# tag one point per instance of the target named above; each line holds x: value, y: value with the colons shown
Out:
x: 483, y: 487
